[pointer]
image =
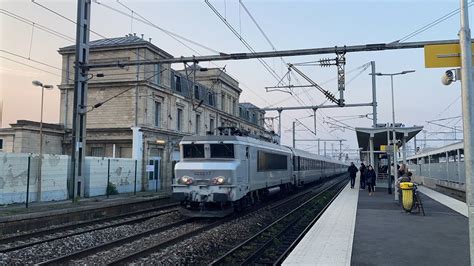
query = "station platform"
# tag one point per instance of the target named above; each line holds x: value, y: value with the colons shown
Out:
x: 39, y: 208
x: 358, y: 229
x: 38, y: 214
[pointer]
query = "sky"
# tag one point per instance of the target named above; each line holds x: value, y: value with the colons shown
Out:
x: 419, y: 97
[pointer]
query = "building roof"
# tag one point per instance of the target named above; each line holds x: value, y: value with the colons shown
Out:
x: 450, y: 148
x: 379, y: 135
x: 22, y: 123
x: 248, y: 105
x: 129, y: 40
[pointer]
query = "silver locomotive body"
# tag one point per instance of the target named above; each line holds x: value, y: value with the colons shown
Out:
x: 219, y: 173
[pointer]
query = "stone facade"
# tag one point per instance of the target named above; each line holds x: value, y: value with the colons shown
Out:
x: 24, y: 137
x: 166, y: 104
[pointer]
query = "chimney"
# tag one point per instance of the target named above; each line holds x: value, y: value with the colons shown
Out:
x: 149, y: 39
x: 142, y: 36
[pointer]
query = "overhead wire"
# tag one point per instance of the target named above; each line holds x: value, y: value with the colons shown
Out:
x: 29, y: 59
x: 146, y: 21
x: 243, y: 41
x: 37, y: 25
x: 66, y: 18
x: 143, y: 20
x: 432, y: 24
x: 97, y: 105
x: 37, y: 68
x: 90, y: 30
x: 443, y: 111
x: 174, y: 36
x: 297, y: 98
x: 363, y: 67
x: 100, y: 35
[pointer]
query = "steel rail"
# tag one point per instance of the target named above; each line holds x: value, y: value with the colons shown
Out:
x: 285, y: 253
x: 220, y: 260
x: 310, y: 190
x: 144, y: 252
x: 82, y: 224
x: 95, y: 249
x: 154, y: 248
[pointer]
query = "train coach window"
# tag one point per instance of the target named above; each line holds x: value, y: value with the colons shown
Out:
x: 222, y: 150
x: 271, y: 161
x: 193, y: 150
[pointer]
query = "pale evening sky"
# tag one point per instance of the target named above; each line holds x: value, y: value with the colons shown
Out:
x: 289, y: 25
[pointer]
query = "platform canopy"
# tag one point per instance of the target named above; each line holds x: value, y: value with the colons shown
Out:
x: 380, y: 135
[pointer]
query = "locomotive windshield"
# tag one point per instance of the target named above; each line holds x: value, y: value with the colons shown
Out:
x: 193, y: 150
x: 222, y: 150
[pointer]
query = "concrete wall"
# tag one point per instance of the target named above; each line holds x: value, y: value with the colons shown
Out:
x: 55, y: 170
x: 122, y: 175
x: 8, y: 140
x: 14, y: 177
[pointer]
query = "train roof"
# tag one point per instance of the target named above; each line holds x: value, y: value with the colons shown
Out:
x: 257, y: 142
x: 243, y: 139
x: 306, y: 154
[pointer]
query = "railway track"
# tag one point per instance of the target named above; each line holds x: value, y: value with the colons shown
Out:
x: 17, y: 242
x: 128, y: 258
x: 135, y: 246
x: 272, y: 244
x: 167, y: 249
x: 115, y: 243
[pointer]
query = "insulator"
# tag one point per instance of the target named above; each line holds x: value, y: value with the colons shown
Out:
x: 326, y: 62
x: 330, y: 96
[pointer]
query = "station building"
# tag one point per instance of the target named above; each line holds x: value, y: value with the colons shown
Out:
x: 139, y: 112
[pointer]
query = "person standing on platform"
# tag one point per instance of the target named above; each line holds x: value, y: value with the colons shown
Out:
x: 352, y: 173
x: 363, y: 171
x: 402, y: 170
x: 392, y: 173
x: 370, y: 179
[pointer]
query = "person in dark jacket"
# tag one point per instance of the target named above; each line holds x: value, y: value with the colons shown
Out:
x: 363, y: 171
x: 370, y: 179
x: 352, y: 173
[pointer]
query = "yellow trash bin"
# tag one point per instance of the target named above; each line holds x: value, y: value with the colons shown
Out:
x: 407, y: 195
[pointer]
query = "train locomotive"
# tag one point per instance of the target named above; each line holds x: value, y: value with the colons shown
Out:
x: 218, y: 174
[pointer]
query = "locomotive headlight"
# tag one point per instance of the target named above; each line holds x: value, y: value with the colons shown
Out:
x: 218, y: 180
x: 186, y: 180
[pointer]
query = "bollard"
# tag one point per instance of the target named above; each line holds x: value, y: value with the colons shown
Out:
x: 108, y: 178
x: 155, y: 173
x: 28, y: 182
x: 135, y: 183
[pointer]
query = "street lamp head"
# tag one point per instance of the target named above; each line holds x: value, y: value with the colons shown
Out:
x: 37, y: 83
x: 407, y: 71
x: 40, y: 84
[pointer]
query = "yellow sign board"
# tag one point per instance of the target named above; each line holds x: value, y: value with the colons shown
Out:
x: 443, y: 55
x: 387, y: 148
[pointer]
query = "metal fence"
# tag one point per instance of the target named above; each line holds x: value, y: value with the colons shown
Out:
x: 103, y: 176
x: 446, y: 171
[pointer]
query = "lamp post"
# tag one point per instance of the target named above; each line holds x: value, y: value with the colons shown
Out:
x: 38, y: 183
x: 394, y: 138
